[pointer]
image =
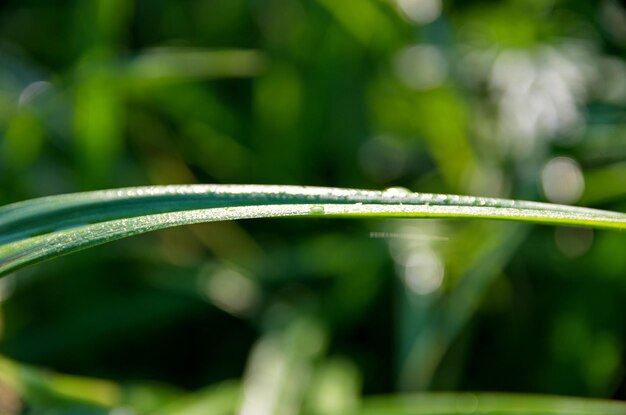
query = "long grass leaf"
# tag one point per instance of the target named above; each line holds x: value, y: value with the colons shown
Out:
x: 40, y: 229
x: 487, y: 403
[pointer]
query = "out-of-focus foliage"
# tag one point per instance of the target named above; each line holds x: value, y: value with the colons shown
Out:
x: 513, y: 98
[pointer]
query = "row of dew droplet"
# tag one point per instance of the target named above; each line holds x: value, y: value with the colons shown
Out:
x: 443, y: 199
x: 403, y: 194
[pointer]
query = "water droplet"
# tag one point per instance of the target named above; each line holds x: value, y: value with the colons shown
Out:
x: 317, y: 210
x: 396, y: 192
x: 441, y: 199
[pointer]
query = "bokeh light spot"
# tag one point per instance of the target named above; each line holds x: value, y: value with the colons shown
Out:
x: 424, y: 272
x: 562, y: 180
x: 573, y: 242
x: 421, y: 67
x: 420, y: 11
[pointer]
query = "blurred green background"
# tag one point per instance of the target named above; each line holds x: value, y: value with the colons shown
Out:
x: 517, y: 98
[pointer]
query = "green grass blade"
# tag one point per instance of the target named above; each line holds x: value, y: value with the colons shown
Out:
x: 487, y: 403
x: 47, y: 214
x: 40, y: 229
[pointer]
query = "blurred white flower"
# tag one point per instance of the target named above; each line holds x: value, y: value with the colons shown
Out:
x: 539, y: 93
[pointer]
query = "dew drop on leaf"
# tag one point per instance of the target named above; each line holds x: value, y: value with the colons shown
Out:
x: 396, y: 192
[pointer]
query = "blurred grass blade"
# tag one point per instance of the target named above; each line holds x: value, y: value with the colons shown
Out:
x: 40, y: 229
x: 46, y: 391
x: 432, y: 323
x: 487, y: 403
x: 219, y: 399
x: 160, y: 66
